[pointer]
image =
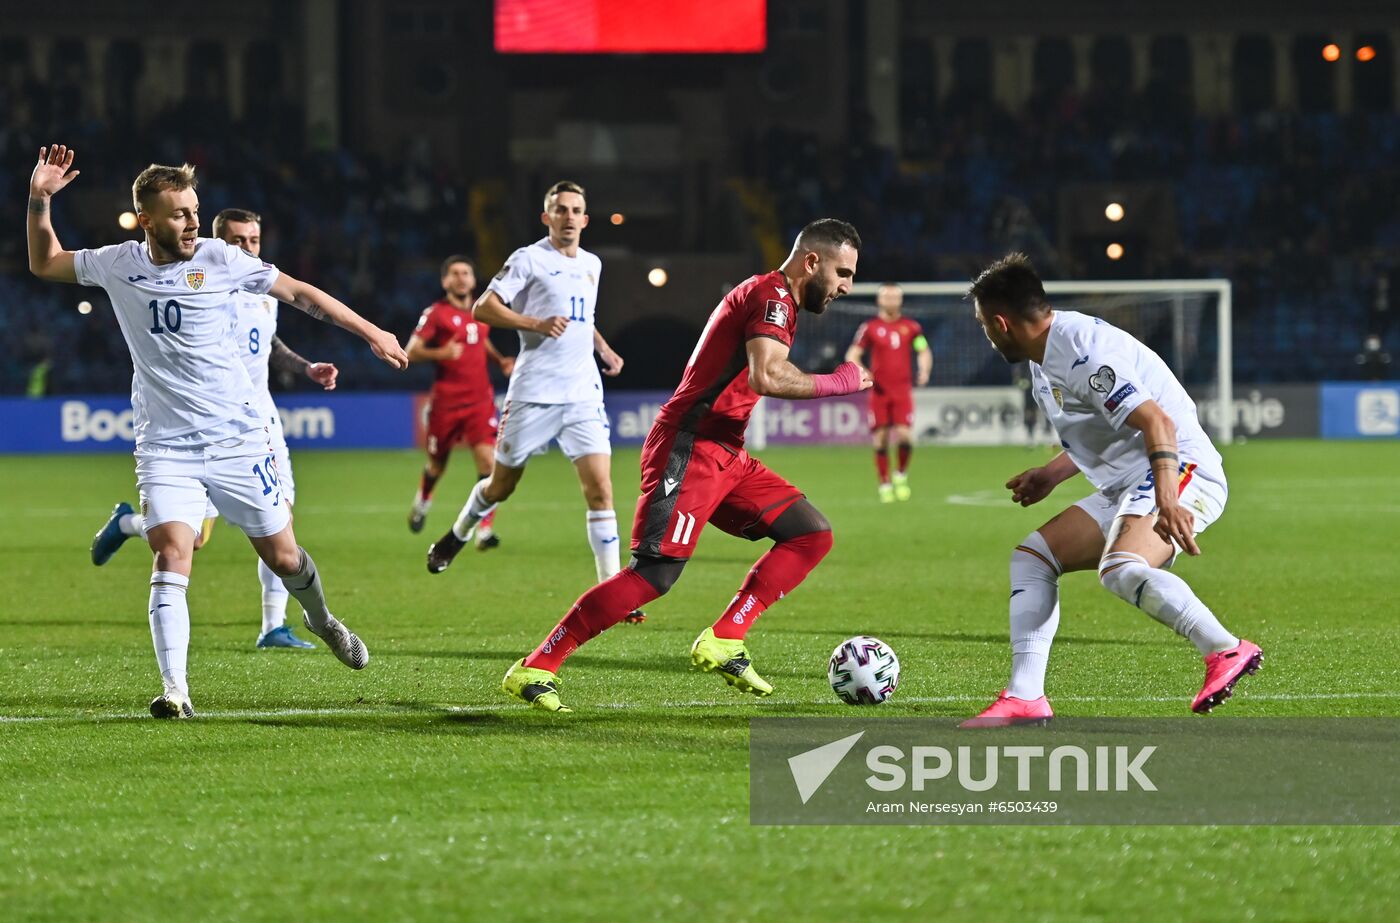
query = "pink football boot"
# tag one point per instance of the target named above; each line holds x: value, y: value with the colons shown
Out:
x: 1008, y: 710
x: 1223, y: 670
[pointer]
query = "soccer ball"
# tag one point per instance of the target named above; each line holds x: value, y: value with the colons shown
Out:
x: 863, y: 671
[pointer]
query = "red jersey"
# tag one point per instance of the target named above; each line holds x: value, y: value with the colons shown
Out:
x: 462, y: 380
x: 891, y: 348
x: 714, y: 398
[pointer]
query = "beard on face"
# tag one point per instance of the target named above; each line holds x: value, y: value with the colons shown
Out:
x: 169, y: 239
x: 814, y: 296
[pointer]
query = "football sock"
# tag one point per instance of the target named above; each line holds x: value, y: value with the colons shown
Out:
x: 905, y: 450
x: 170, y: 627
x: 1166, y: 597
x: 1035, y: 615
x: 597, y: 610
x: 426, y: 485
x: 473, y: 512
x: 274, y: 598
x: 882, y: 465
x: 602, y: 538
x: 132, y: 524
x: 305, y: 586
x: 775, y: 575
x: 488, y: 520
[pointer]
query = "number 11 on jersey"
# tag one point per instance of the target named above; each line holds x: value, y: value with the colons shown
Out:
x: 577, y: 308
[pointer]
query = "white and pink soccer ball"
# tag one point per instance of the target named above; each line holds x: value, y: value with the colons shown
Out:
x: 863, y: 671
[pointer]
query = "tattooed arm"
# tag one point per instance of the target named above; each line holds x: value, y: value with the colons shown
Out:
x: 284, y: 359
x: 310, y: 299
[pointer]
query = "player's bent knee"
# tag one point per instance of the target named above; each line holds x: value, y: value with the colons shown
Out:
x: 1123, y: 574
x: 1034, y: 553
x: 661, y: 573
x: 801, y: 518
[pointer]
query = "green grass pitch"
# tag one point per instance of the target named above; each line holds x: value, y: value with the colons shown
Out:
x: 416, y: 791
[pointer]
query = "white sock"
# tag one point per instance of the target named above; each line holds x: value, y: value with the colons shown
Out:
x: 475, y: 509
x: 1166, y: 597
x: 132, y: 524
x: 602, y: 538
x: 1035, y: 615
x: 305, y: 585
x: 274, y: 598
x: 170, y: 627
x: 420, y: 504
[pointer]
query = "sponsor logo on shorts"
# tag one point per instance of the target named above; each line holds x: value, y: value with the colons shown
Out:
x: 776, y: 313
x: 1118, y: 396
x: 670, y: 485
x: 1103, y: 380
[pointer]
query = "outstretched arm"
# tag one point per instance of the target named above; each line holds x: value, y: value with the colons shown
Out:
x: 284, y: 359
x: 47, y: 258
x: 308, y: 298
x: 772, y: 375
x: 419, y: 351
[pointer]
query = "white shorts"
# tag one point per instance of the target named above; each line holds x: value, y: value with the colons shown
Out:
x: 284, y: 467
x: 1202, y: 492
x: 526, y: 429
x: 239, y: 477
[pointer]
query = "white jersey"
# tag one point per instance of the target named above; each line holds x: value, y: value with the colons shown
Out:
x: 1092, y: 377
x: 539, y: 281
x: 189, y: 386
x: 257, y: 325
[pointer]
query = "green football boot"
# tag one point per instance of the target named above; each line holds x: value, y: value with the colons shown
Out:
x: 731, y: 659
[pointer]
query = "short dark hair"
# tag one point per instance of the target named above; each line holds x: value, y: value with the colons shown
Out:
x: 1010, y: 286
x: 222, y: 219
x: 828, y: 233
x: 159, y: 178
x: 564, y: 185
x: 453, y: 260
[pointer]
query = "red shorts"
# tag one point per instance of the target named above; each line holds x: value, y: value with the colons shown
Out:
x: 470, y: 424
x: 688, y: 480
x: 891, y: 408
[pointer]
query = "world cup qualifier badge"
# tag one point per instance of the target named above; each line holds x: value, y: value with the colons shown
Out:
x: 1103, y: 380
x: 776, y: 313
x: 194, y: 278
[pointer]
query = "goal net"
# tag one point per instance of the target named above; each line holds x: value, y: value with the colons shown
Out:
x: 976, y: 397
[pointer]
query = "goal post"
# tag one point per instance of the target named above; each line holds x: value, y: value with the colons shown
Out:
x: 1186, y: 321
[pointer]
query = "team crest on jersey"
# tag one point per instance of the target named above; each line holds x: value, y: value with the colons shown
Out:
x: 1059, y: 397
x: 592, y: 280
x: 194, y: 278
x: 776, y: 313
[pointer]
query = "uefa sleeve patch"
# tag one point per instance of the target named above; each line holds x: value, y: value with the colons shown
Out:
x: 776, y: 313
x: 1118, y: 396
x: 1103, y: 380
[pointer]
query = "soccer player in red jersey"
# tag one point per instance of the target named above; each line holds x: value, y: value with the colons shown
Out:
x: 462, y: 407
x: 890, y: 338
x: 695, y: 470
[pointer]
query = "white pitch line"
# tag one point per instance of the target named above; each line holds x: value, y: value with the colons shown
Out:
x: 250, y: 713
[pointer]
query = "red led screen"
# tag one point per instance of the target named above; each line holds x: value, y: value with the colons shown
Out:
x: 630, y: 26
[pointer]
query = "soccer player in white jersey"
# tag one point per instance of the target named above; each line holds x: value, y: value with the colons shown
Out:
x: 199, y: 434
x: 1128, y: 425
x: 548, y: 293
x: 257, y: 342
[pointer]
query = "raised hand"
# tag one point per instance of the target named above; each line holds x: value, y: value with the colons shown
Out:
x: 52, y: 172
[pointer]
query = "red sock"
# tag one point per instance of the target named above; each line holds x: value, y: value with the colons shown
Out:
x: 775, y: 575
x: 905, y: 450
x: 426, y: 484
x: 882, y: 465
x: 596, y: 611
x: 488, y: 519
